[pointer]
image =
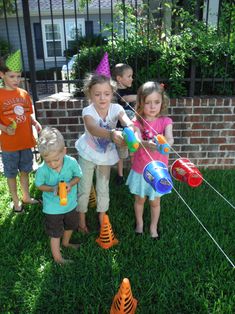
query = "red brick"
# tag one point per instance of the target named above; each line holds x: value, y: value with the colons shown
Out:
x: 199, y: 140
x: 217, y: 140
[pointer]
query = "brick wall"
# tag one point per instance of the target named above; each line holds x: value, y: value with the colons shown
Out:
x: 204, y: 128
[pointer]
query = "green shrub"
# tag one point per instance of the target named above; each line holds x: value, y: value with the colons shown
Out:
x: 155, y: 55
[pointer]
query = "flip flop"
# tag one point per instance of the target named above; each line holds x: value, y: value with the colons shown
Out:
x: 18, y: 211
x: 33, y: 202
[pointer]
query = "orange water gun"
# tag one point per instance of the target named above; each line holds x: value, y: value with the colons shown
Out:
x: 63, y: 193
x: 162, y: 146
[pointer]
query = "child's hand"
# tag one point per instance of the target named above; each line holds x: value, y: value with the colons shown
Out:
x: 118, y: 138
x: 152, y: 146
x: 10, y: 130
x: 56, y: 189
x: 68, y: 187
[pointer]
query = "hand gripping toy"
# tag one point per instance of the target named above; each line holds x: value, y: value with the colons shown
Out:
x: 63, y: 193
x: 130, y: 139
x: 162, y: 146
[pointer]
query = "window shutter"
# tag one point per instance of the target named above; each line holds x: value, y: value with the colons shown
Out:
x: 89, y: 28
x: 38, y: 40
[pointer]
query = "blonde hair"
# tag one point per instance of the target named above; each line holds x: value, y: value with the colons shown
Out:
x: 50, y: 140
x: 93, y: 79
x: 144, y: 91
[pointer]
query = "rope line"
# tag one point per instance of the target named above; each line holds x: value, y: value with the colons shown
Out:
x: 192, y: 212
x: 202, y: 225
x: 176, y: 152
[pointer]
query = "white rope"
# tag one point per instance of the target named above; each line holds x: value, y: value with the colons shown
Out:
x: 219, y: 247
x: 192, y: 212
x: 176, y: 152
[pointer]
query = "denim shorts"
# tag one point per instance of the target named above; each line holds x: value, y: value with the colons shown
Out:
x: 56, y: 224
x: 20, y: 160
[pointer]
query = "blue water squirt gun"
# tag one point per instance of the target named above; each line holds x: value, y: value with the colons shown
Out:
x: 162, y: 146
x: 130, y: 139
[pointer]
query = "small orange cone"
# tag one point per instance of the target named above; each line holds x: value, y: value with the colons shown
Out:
x: 123, y: 301
x: 92, y: 198
x: 106, y: 238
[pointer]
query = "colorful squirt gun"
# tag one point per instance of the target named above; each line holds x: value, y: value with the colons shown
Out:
x: 162, y: 146
x: 63, y: 193
x: 130, y: 139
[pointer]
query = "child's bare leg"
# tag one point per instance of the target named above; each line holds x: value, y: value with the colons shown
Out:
x: 101, y: 216
x: 155, y: 213
x: 66, y: 238
x: 139, y: 210
x: 24, y: 182
x: 120, y: 167
x: 12, y: 185
x: 82, y: 223
x: 55, y: 249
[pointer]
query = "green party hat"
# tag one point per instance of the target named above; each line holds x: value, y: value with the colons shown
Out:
x: 13, y: 62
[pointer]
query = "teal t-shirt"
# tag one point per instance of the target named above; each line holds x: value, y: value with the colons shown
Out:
x: 47, y: 176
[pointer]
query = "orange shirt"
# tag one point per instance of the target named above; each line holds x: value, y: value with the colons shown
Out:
x: 16, y: 105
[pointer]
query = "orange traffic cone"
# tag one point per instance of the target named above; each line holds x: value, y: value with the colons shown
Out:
x: 123, y: 301
x: 106, y: 238
x: 92, y: 198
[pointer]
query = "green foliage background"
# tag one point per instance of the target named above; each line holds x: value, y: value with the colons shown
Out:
x: 155, y: 53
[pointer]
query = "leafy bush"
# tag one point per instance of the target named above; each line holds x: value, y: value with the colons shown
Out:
x: 158, y: 55
x: 4, y: 47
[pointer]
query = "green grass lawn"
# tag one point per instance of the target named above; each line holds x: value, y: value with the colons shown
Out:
x: 184, y: 272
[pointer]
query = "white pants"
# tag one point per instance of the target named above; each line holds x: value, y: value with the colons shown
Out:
x: 102, y: 185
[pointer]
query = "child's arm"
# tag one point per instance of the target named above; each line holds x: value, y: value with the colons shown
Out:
x: 54, y: 188
x: 130, y: 98
x: 169, y: 134
x: 124, y: 120
x: 36, y: 124
x: 95, y: 130
x: 73, y: 182
x: 47, y: 188
x: 7, y: 129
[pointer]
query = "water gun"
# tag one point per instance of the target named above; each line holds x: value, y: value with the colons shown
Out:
x: 162, y: 146
x: 63, y: 193
x: 130, y: 139
x: 13, y: 124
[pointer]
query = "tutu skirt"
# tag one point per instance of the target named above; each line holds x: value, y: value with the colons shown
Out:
x: 138, y: 186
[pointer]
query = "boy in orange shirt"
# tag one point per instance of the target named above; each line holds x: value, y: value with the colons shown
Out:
x: 16, y: 137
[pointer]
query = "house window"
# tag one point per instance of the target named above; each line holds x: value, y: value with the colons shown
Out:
x: 55, y: 40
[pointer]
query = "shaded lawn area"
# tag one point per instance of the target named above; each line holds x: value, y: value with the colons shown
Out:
x: 184, y: 272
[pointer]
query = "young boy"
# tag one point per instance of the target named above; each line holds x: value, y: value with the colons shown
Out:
x: 17, y: 140
x: 123, y: 75
x: 60, y: 219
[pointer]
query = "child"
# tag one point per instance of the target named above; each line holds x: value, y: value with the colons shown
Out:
x: 96, y: 147
x: 60, y: 220
x: 123, y: 75
x: 16, y: 120
x: 150, y: 120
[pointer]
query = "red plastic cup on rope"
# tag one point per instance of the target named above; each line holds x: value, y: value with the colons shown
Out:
x: 184, y: 170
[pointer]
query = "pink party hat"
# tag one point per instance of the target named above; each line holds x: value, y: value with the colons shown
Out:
x: 103, y: 67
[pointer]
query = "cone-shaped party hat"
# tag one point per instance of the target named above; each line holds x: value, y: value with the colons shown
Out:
x: 103, y: 67
x: 13, y: 62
